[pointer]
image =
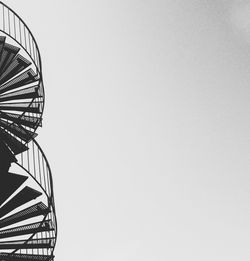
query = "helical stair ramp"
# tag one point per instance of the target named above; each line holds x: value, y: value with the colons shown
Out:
x: 28, y: 227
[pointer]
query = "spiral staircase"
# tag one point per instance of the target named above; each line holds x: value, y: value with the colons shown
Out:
x: 28, y: 227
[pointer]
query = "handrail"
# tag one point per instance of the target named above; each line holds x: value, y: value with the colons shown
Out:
x: 14, y: 26
x: 36, y: 164
x: 33, y: 160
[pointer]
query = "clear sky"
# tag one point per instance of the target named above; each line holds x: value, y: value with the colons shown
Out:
x: 147, y: 126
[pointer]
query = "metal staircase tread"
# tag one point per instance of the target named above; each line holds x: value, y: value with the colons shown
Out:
x: 25, y: 257
x: 17, y: 130
x: 29, y: 121
x: 39, y: 209
x: 10, y: 182
x: 18, y: 64
x: 30, y: 244
x: 24, y: 196
x: 25, y: 78
x: 8, y: 155
x: 12, y: 142
x: 2, y: 42
x: 8, y: 53
x: 36, y: 227
x: 21, y: 106
x: 27, y: 93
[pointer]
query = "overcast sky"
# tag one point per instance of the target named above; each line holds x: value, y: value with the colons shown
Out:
x: 147, y: 126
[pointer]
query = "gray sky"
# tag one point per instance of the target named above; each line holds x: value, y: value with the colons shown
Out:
x: 146, y: 126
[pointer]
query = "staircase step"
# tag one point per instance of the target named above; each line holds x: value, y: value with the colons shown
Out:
x: 31, y: 244
x: 22, y: 79
x: 24, y: 257
x: 27, y: 229
x: 17, y: 130
x: 2, y: 43
x: 27, y: 93
x: 12, y: 142
x: 8, y: 54
x: 9, y: 183
x: 18, y: 64
x: 29, y: 121
x: 21, y: 106
x: 6, y: 155
x: 24, y: 196
x: 39, y: 209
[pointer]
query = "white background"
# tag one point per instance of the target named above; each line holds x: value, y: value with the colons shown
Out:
x: 146, y: 126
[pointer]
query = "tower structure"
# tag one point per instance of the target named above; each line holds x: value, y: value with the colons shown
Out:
x: 28, y: 227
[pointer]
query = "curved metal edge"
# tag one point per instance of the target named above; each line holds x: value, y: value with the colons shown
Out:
x: 41, y: 85
x: 36, y: 181
x: 31, y: 237
x: 51, y: 201
x: 50, y: 204
x: 52, y: 188
x: 41, y: 77
x: 38, y: 51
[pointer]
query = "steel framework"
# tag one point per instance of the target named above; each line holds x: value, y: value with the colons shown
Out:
x: 28, y: 226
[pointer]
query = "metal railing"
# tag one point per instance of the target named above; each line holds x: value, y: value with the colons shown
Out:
x: 12, y: 25
x: 36, y: 164
x: 33, y: 160
x: 15, y: 27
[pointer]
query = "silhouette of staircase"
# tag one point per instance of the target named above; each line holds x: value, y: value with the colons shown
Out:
x: 39, y: 209
x: 19, y: 103
x: 14, y: 195
x: 28, y: 227
x: 25, y: 257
